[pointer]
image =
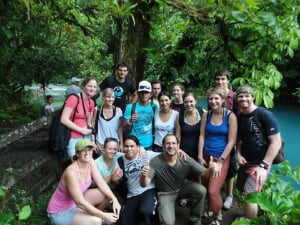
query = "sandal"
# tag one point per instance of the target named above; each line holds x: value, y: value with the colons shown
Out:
x: 207, y: 214
x: 215, y: 222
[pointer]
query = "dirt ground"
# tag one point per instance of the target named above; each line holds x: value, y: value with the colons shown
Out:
x: 24, y: 153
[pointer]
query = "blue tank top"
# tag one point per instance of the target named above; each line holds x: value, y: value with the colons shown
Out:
x: 216, y: 136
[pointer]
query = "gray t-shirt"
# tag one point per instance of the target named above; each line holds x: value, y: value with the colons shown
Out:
x: 170, y: 178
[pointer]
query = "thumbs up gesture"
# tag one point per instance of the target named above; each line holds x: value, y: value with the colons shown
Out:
x: 213, y: 166
x: 146, y: 169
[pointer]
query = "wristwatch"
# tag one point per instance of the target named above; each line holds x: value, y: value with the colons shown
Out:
x: 221, y: 159
x: 263, y: 165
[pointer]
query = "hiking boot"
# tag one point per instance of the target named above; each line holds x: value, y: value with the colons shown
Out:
x: 228, y: 202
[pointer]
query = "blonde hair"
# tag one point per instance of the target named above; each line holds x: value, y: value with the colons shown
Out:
x: 108, y: 91
x: 218, y: 91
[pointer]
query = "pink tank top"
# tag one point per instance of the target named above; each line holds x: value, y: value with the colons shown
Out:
x: 61, y: 199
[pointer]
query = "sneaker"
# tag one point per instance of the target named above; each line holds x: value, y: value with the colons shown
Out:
x: 183, y: 202
x: 228, y: 202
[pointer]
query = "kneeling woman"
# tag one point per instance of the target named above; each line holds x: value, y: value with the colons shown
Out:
x: 72, y: 202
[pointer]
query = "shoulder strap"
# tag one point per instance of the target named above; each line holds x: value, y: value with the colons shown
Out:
x: 114, y: 110
x: 96, y: 118
x: 75, y: 109
x: 133, y: 107
x: 121, y: 165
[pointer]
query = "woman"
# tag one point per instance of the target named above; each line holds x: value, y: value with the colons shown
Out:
x: 164, y: 120
x: 81, y: 110
x: 72, y: 202
x: 188, y: 125
x: 108, y: 120
x: 217, y: 138
x: 178, y: 92
x: 140, y: 201
x: 107, y: 161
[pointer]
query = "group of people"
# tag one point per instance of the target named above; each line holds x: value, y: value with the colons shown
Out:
x: 154, y: 148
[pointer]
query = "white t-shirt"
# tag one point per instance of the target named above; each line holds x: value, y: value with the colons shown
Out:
x: 163, y: 128
x: 108, y: 127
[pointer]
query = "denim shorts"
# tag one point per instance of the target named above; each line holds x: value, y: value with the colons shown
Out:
x: 63, y: 217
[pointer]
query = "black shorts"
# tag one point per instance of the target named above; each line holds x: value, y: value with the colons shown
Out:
x: 233, y: 166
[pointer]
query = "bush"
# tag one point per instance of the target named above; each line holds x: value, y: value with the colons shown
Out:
x: 279, y: 201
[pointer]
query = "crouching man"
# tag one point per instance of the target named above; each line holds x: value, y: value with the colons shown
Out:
x: 169, y: 172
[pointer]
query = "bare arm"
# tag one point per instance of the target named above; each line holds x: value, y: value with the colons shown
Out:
x: 178, y: 128
x: 145, y: 180
x: 65, y: 120
x: 273, y: 149
x: 202, y: 139
x: 104, y: 188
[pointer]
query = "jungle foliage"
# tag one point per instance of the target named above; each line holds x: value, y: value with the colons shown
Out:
x: 180, y: 40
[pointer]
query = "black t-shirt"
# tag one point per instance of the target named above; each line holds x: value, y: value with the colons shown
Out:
x: 253, y: 130
x: 121, y: 90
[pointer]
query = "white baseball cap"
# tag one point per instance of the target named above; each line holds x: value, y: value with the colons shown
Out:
x: 144, y: 86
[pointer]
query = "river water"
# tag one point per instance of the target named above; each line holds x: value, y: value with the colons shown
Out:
x: 288, y: 117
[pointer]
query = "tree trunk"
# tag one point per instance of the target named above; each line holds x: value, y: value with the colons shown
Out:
x: 138, y: 37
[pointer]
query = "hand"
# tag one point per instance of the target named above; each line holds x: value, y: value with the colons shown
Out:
x: 146, y: 169
x: 142, y: 151
x: 116, y: 207
x: 182, y: 154
x: 214, y: 167
x: 261, y: 176
x: 134, y: 117
x: 110, y: 217
x: 202, y: 161
x: 241, y: 160
x: 116, y: 175
x: 85, y: 131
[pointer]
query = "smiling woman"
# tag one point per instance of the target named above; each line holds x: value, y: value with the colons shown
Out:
x: 72, y: 201
x: 81, y: 125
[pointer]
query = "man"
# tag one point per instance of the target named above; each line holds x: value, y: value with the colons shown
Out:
x: 169, y: 172
x: 74, y: 88
x: 258, y: 143
x: 139, y: 116
x: 140, y: 201
x: 121, y: 85
x: 156, y: 89
x: 222, y: 79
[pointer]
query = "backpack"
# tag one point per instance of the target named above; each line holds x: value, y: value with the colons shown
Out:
x: 121, y: 187
x: 59, y: 134
x: 153, y: 108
